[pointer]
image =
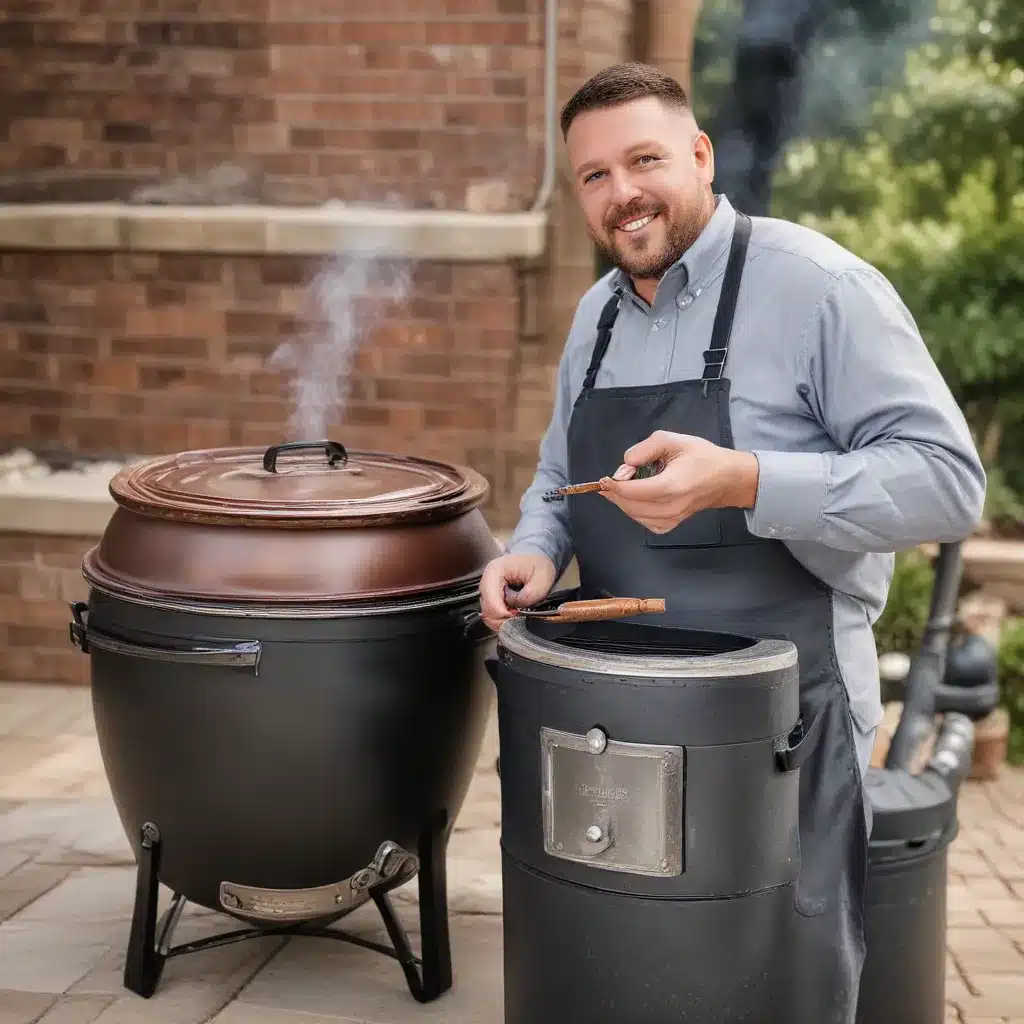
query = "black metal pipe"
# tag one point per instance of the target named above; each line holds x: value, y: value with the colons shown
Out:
x: 928, y: 664
x: 759, y: 112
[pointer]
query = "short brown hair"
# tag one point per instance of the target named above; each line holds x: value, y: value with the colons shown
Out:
x: 622, y: 83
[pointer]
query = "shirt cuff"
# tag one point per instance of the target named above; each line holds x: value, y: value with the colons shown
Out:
x: 790, y: 498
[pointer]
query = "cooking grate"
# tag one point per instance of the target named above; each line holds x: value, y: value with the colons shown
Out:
x: 665, y: 649
x: 637, y: 640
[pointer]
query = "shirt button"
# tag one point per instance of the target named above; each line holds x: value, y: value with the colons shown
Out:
x: 683, y: 301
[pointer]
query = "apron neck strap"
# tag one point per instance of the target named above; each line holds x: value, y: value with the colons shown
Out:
x: 604, y: 337
x: 716, y: 355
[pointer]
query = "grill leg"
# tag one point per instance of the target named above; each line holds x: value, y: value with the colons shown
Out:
x: 143, y: 964
x: 433, y: 884
x: 436, y: 958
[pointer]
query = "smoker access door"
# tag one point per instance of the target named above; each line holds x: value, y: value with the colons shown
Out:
x: 613, y: 805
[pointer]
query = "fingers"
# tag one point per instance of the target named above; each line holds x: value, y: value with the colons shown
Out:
x: 662, y: 444
x: 513, y: 581
x: 658, y: 518
x: 655, y: 488
x: 493, y: 609
x: 533, y: 590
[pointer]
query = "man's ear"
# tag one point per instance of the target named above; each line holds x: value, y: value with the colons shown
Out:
x: 704, y: 156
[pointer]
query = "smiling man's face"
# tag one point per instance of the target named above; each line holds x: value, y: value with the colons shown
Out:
x: 643, y: 173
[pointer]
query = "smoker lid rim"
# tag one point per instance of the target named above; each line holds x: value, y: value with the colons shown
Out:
x: 444, y: 596
x: 766, y: 655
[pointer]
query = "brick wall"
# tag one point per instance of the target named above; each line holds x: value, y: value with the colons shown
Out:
x: 310, y: 99
x: 436, y: 102
x: 39, y: 576
x: 593, y: 34
x: 110, y: 353
x: 107, y: 353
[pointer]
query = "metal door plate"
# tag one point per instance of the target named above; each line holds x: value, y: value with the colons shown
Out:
x: 613, y: 805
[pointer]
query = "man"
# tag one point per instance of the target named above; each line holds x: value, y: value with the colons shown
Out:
x: 805, y: 435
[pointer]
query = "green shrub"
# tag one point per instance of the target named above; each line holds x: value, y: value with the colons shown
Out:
x: 901, y: 624
x: 1011, y: 683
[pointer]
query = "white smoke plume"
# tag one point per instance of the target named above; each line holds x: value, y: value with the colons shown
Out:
x: 350, y: 295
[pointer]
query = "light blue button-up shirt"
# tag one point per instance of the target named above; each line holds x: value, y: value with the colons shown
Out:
x: 861, y: 447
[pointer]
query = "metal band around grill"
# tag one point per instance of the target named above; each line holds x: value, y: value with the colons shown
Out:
x: 458, y: 593
x: 768, y: 655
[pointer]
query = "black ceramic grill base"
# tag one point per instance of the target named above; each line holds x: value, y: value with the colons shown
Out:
x: 287, y: 775
x: 272, y: 760
x: 577, y: 954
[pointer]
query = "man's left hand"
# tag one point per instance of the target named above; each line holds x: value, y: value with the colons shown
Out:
x: 697, y: 475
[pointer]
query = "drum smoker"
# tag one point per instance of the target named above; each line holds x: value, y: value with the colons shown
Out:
x: 649, y: 821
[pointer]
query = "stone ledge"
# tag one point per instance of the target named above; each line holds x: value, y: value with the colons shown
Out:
x: 51, y: 512
x: 273, y: 230
x: 70, y: 502
x: 78, y: 512
x: 53, y: 515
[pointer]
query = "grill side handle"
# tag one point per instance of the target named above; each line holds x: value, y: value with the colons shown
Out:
x: 243, y: 654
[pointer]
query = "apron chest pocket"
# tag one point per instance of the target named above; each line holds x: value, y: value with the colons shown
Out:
x: 701, y: 530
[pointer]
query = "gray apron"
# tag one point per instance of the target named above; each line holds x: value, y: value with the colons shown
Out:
x: 716, y: 575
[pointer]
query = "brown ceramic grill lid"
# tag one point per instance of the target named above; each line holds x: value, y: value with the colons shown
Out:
x: 300, y: 483
x: 298, y: 522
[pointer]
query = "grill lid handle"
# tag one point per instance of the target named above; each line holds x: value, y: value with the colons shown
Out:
x: 334, y: 451
x: 242, y: 654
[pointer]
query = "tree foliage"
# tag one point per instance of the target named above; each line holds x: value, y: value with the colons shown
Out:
x: 933, y: 195
x: 911, y: 153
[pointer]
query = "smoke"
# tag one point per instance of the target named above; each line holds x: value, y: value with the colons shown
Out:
x: 349, y: 297
x: 859, y: 52
x: 797, y: 67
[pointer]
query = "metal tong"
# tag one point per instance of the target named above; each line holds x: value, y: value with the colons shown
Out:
x: 593, y: 610
x: 640, y: 473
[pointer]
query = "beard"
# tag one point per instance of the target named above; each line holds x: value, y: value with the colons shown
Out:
x: 645, y: 257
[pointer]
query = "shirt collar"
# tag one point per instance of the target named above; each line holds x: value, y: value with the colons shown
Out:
x: 696, y: 264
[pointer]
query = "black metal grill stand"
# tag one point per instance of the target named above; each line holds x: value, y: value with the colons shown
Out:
x: 427, y: 976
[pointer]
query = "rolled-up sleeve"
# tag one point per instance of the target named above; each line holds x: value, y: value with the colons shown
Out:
x: 904, y: 469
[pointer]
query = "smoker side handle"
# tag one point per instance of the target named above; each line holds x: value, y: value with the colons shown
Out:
x: 244, y: 654
x: 791, y: 752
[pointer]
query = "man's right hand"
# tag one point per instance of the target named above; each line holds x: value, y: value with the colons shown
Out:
x: 534, y: 573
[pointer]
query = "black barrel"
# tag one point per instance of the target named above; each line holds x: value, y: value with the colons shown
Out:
x: 914, y: 821
x: 650, y: 817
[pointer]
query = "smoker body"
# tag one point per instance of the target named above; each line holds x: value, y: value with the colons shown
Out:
x: 286, y: 771
x: 650, y: 823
